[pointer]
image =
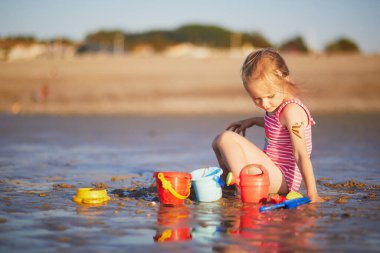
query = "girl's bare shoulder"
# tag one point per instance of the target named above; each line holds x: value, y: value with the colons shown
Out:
x: 293, y: 113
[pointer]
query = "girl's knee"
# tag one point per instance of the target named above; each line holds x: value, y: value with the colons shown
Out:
x: 215, y: 142
x: 223, y: 139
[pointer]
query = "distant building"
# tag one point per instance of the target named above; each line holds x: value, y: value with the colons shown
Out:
x: 188, y: 49
x: 26, y: 52
x: 37, y: 50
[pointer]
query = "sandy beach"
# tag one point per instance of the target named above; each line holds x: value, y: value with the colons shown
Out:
x: 163, y: 85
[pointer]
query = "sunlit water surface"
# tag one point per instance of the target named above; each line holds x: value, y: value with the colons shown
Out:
x: 43, y: 160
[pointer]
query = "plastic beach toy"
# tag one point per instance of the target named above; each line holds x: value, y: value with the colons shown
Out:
x: 294, y: 195
x: 276, y: 198
x: 91, y: 196
x: 173, y: 187
x: 207, y: 184
x: 292, y: 203
x: 254, y: 187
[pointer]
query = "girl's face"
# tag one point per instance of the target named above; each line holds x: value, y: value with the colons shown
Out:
x: 265, y: 96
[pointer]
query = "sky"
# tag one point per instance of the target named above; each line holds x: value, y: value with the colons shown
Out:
x: 318, y: 22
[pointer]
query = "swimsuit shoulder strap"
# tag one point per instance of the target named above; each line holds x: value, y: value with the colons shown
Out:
x: 298, y: 102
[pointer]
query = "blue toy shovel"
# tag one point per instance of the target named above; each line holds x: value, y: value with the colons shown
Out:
x: 292, y: 203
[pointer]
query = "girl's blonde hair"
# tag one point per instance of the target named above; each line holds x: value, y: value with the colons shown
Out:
x: 268, y: 64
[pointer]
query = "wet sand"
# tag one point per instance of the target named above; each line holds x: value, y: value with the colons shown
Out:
x: 43, y: 161
x: 162, y: 85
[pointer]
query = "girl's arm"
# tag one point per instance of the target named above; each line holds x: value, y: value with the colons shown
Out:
x: 295, y: 120
x: 242, y: 125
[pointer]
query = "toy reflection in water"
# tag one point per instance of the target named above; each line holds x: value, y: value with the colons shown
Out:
x: 208, y: 220
x: 173, y: 224
x: 254, y: 231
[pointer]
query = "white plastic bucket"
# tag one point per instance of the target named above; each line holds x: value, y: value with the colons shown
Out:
x: 207, y: 184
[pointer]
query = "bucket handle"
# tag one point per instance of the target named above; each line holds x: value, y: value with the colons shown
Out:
x: 168, y: 186
x: 260, y: 167
x: 219, y: 180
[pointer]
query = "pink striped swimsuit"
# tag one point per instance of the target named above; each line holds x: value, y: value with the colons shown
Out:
x: 279, y: 148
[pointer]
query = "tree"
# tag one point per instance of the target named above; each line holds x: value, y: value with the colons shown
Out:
x: 9, y: 42
x: 197, y: 34
x: 100, y: 41
x: 159, y: 40
x: 295, y: 44
x: 258, y: 40
x: 342, y: 45
x: 204, y: 35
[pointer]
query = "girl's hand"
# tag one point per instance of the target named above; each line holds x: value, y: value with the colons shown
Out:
x: 239, y: 127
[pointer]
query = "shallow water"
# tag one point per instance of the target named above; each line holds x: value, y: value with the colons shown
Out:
x: 43, y: 160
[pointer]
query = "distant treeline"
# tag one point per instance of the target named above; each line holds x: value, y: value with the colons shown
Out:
x: 197, y: 34
x: 201, y: 35
x: 9, y: 42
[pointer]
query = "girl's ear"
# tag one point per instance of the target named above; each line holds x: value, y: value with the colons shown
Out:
x: 278, y: 73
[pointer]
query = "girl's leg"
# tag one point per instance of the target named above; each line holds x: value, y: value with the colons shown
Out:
x: 219, y: 157
x: 233, y: 152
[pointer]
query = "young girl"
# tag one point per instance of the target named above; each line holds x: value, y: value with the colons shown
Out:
x: 287, y: 125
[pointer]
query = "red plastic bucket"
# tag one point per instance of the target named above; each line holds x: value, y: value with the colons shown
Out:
x: 254, y: 187
x: 173, y: 187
